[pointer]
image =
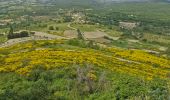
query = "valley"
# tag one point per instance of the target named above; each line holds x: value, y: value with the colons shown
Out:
x: 84, y: 50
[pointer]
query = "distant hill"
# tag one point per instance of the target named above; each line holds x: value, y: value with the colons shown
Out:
x: 84, y: 2
x: 133, y: 0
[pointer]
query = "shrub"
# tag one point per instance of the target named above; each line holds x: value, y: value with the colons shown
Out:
x: 51, y: 28
x: 18, y: 35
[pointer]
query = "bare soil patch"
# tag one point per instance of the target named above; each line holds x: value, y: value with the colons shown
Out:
x: 70, y: 34
x: 93, y: 35
x: 101, y: 40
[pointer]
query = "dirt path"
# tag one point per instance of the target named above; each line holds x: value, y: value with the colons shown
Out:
x: 129, y: 61
x: 36, y: 36
x: 15, y: 41
x: 69, y: 26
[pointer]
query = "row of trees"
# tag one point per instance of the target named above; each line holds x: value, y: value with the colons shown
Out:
x: 12, y: 35
x: 53, y: 28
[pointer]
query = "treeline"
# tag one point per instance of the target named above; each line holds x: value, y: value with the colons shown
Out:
x: 18, y: 35
x: 113, y: 18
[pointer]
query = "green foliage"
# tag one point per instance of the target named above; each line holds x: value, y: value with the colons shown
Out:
x: 18, y: 35
x: 168, y: 51
x: 80, y: 36
x: 83, y: 44
x: 11, y: 31
x: 77, y: 42
x: 130, y: 86
x: 67, y: 19
x: 79, y: 82
x: 51, y: 28
x: 57, y: 28
x: 3, y: 38
x: 153, y: 20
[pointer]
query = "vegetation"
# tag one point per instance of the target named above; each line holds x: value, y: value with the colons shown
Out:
x: 69, y: 83
x: 87, y: 73
x: 131, y: 61
x: 18, y: 35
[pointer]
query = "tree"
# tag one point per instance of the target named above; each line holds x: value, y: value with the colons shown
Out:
x: 168, y: 51
x: 11, y: 35
x: 57, y: 28
x: 67, y: 19
x: 24, y: 34
x: 11, y: 31
x: 80, y: 36
x: 51, y: 28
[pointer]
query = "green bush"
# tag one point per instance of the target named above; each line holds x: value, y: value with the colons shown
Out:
x: 73, y: 82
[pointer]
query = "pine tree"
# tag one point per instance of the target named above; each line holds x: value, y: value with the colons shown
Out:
x: 11, y: 31
x: 80, y: 36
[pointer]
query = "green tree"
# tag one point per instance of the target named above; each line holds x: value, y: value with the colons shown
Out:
x: 57, y: 28
x: 51, y: 28
x: 67, y: 19
x: 80, y: 36
x: 11, y: 31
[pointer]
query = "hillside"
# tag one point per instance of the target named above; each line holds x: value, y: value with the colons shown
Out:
x: 84, y: 50
x: 67, y: 69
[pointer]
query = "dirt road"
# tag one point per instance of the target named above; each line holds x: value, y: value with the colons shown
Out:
x: 69, y: 26
x: 36, y: 36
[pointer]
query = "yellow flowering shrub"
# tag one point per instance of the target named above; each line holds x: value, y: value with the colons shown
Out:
x: 135, y: 62
x: 50, y: 58
x: 141, y: 56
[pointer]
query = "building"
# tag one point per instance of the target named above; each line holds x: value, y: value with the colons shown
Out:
x: 128, y: 25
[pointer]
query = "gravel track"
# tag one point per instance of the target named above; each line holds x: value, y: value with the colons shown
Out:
x: 36, y: 36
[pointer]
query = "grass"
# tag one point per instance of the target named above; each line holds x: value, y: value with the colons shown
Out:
x: 4, y: 30
x: 2, y: 39
x: 61, y: 27
x: 85, y: 27
x: 90, y: 28
x: 157, y: 38
x: 112, y: 32
x: 124, y: 43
